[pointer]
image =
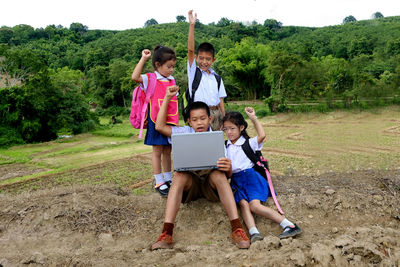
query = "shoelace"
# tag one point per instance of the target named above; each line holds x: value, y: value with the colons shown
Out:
x: 162, y: 236
x: 241, y: 233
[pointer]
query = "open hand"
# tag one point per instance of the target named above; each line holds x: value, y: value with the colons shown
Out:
x: 192, y: 19
x: 146, y: 54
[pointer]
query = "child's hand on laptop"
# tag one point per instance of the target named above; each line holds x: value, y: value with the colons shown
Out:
x: 171, y: 91
x: 224, y: 164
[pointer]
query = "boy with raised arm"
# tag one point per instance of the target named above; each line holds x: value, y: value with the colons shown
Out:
x: 210, y: 87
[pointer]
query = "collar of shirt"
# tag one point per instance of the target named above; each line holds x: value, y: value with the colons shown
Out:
x: 160, y: 77
x: 238, y: 142
x: 210, y: 70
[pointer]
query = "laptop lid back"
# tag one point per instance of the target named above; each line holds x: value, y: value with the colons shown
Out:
x: 197, y: 151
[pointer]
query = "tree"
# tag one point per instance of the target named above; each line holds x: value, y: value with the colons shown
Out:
x: 280, y: 64
x: 73, y: 110
x: 360, y: 46
x: 242, y: 68
x: 393, y: 47
x: 22, y: 34
x: 180, y: 18
x: 119, y: 72
x: 78, y: 28
x: 272, y: 24
x: 6, y: 35
x: 349, y: 19
x: 18, y: 64
x: 150, y: 22
x: 377, y: 15
x: 223, y: 22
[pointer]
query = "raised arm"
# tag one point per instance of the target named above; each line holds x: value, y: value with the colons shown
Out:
x: 161, y: 122
x: 146, y: 54
x: 192, y: 22
x: 259, y: 129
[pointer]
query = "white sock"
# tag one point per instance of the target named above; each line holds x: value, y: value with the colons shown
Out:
x: 285, y: 223
x: 159, y: 180
x: 167, y: 176
x: 253, y: 230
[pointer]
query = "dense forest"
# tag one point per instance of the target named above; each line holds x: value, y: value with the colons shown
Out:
x: 51, y: 78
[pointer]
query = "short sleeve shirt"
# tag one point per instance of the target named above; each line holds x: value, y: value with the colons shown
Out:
x: 208, y: 88
x: 237, y: 156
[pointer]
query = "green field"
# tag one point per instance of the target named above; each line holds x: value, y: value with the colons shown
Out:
x: 296, y: 144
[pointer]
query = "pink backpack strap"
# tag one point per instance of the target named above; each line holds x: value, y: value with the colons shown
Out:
x: 149, y: 93
x: 272, y: 188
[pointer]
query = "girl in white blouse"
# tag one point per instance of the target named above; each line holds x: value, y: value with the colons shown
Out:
x: 249, y: 187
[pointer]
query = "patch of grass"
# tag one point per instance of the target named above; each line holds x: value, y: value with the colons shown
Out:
x: 140, y: 191
x: 123, y: 129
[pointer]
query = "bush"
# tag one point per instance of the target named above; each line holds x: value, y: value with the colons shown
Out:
x: 322, y: 107
x: 9, y: 136
x: 261, y: 113
x: 113, y: 111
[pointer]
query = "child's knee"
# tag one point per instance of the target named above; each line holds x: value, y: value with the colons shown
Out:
x: 166, y: 150
x: 157, y: 150
x: 182, y: 180
x: 217, y: 176
x: 254, y: 205
x: 243, y: 204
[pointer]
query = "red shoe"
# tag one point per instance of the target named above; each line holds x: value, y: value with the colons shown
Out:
x: 164, y: 241
x: 240, y: 238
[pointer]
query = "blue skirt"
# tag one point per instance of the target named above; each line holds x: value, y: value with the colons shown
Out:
x: 249, y: 185
x: 154, y: 137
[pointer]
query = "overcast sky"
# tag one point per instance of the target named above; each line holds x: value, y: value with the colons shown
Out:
x: 121, y: 15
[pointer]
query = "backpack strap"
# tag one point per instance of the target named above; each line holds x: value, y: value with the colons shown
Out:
x: 249, y: 152
x: 218, y: 78
x: 197, y: 79
x: 253, y: 157
x: 149, y: 93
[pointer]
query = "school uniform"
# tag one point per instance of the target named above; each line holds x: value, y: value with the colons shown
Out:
x: 153, y: 137
x: 208, y: 92
x: 200, y: 179
x: 246, y: 183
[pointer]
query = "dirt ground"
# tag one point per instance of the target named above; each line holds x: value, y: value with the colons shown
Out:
x: 348, y: 219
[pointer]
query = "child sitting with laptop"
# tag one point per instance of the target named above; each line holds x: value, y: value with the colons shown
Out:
x: 191, y: 185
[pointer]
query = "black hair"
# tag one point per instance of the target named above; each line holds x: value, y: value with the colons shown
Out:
x: 206, y: 47
x: 237, y: 119
x: 198, y: 105
x: 162, y: 54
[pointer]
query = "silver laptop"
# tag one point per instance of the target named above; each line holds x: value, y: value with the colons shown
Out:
x: 197, y: 151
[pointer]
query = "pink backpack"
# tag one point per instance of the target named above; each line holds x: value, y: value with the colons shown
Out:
x: 140, y: 102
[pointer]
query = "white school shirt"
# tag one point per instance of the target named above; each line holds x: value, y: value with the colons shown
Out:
x: 145, y: 79
x: 208, y: 88
x: 186, y: 129
x: 237, y: 156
